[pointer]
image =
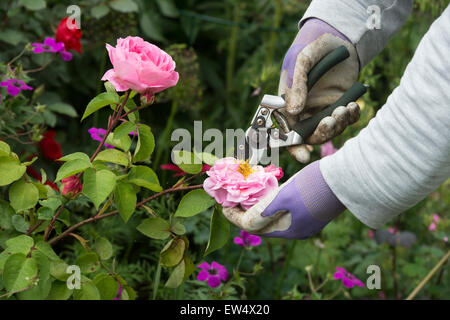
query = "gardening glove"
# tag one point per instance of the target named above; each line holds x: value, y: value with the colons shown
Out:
x: 314, y: 41
x: 298, y: 209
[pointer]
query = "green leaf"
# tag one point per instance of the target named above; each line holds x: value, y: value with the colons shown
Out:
x: 104, y: 248
x: 124, y: 5
x: 123, y: 142
x: 178, y: 228
x: 193, y: 203
x: 187, y: 161
x: 58, y: 269
x: 19, y: 223
x: 144, y: 177
x: 33, y: 4
x: 19, y: 272
x: 47, y: 250
x: 41, y: 287
x: 74, y: 156
x: 172, y: 253
x: 88, y: 262
x: 149, y: 23
x: 99, y: 11
x: 52, y: 203
x: 20, y: 244
x: 124, y: 129
x: 10, y: 170
x: 100, y: 101
x: 72, y: 167
x: 13, y: 37
x: 88, y: 291
x: 155, y: 228
x: 97, y: 186
x: 219, y: 231
x: 63, y: 108
x: 6, y: 213
x: 126, y: 199
x: 177, y: 276
x: 59, y: 291
x: 168, y: 8
x: 5, y: 150
x: 107, y: 286
x: 145, y: 144
x: 114, y: 156
x: 45, y: 213
x: 207, y: 158
x: 23, y: 195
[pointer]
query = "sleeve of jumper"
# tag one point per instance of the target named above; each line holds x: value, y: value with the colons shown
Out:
x: 404, y: 152
x: 353, y: 18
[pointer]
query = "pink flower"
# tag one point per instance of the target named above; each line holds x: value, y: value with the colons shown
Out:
x: 327, y: 149
x: 247, y: 240
x: 432, y: 226
x: 178, y: 170
x: 214, y: 273
x: 98, y: 134
x: 232, y: 183
x: 52, y: 45
x: 370, y: 234
x: 445, y: 239
x: 140, y: 66
x: 14, y: 86
x: 71, y: 186
x: 392, y: 230
x: 348, y: 280
x: 276, y: 171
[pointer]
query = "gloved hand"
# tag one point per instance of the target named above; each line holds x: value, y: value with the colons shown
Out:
x: 298, y: 209
x: 315, y: 40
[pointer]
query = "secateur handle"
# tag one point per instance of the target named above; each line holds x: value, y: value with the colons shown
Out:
x: 306, y: 127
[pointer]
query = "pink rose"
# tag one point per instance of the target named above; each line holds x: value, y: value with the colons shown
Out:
x: 140, y: 66
x: 71, y: 186
x: 276, y: 171
x: 232, y: 183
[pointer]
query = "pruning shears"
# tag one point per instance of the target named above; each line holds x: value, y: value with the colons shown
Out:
x: 262, y: 134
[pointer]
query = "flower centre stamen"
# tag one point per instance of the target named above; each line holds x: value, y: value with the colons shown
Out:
x: 245, y: 169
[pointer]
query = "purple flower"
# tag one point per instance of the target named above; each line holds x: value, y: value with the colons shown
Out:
x: 247, y: 240
x: 14, y: 86
x: 51, y: 45
x: 327, y: 149
x: 98, y: 134
x: 214, y: 273
x: 119, y: 293
x: 348, y: 280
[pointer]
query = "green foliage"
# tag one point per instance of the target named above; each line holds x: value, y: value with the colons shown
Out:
x: 193, y: 203
x: 98, y: 185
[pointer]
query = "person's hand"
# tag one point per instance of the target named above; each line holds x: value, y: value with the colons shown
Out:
x: 298, y: 209
x: 315, y: 40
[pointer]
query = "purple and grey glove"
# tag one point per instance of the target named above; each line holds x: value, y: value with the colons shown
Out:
x: 298, y: 209
x: 314, y: 40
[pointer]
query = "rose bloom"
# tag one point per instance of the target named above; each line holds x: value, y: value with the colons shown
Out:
x: 140, y: 66
x: 232, y: 182
x: 70, y: 37
x: 50, y: 148
x: 71, y: 186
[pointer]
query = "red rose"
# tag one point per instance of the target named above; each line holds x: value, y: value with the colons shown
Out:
x: 50, y: 148
x: 70, y: 37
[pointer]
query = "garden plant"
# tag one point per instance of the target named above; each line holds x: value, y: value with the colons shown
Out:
x: 94, y: 205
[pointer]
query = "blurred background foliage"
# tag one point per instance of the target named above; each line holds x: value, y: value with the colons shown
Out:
x: 228, y: 54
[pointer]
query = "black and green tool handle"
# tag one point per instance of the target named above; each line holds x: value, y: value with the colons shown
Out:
x: 306, y: 127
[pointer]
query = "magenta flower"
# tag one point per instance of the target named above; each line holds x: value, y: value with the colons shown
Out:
x: 214, y: 273
x: 98, y: 134
x: 119, y: 293
x: 327, y: 149
x: 14, y: 86
x: 247, y: 240
x: 370, y: 234
x: 348, y: 280
x: 434, y: 222
x: 51, y: 45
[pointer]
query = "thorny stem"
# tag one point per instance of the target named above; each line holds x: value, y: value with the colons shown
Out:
x: 111, y: 124
x: 52, y: 222
x: 115, y: 212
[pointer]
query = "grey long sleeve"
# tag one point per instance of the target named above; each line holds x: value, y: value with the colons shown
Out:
x: 350, y: 18
x: 404, y: 152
